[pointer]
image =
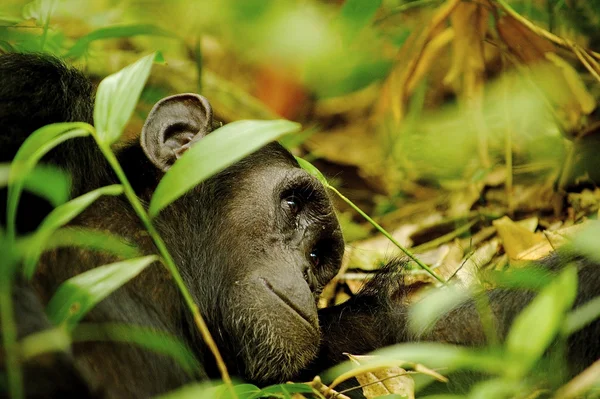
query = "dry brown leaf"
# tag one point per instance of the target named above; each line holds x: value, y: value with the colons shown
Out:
x: 472, y: 263
x: 516, y: 238
x: 410, y: 56
x: 522, y: 42
x: 384, y: 381
x: 469, y: 20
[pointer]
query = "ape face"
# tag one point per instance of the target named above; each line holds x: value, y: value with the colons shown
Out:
x: 256, y: 243
x: 270, y: 241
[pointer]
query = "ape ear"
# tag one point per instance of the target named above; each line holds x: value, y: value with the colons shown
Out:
x: 173, y: 125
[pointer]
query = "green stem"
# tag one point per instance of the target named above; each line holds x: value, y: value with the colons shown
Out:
x: 167, y: 260
x: 388, y: 235
x: 9, y: 339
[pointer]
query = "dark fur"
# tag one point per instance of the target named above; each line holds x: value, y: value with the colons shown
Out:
x: 226, y: 235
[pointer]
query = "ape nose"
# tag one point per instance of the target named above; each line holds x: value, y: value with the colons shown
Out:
x: 295, y: 294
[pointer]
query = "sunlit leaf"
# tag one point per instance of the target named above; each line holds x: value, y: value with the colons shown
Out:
x: 39, y: 10
x: 83, y: 237
x: 285, y: 390
x: 51, y: 340
x: 214, y: 153
x: 432, y: 355
x: 586, y: 242
x: 537, y: 325
x: 532, y: 278
x: 57, y: 218
x: 113, y: 32
x: 31, y: 151
x: 144, y: 337
x: 117, y: 97
x: 582, y: 316
x: 79, y: 294
x: 208, y: 391
x: 495, y: 388
x: 45, y: 181
x: 311, y: 169
x: 427, y: 311
x: 357, y: 14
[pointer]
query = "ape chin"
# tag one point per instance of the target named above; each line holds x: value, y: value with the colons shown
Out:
x: 272, y: 331
x: 275, y: 343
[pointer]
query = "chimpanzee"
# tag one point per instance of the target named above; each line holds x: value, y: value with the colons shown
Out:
x: 255, y: 245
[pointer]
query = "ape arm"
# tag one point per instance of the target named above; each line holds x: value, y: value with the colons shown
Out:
x: 374, y: 318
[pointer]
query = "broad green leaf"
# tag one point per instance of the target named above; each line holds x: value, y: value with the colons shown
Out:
x: 295, y: 140
x: 358, y: 14
x: 206, y: 390
x: 116, y: 99
x: 201, y: 390
x: 78, y: 295
x: 45, y: 181
x: 113, y: 32
x: 214, y: 153
x: 582, y: 316
x: 144, y: 337
x: 536, y: 326
x: 31, y: 151
x: 431, y: 355
x: 282, y: 390
x: 83, y: 237
x: 532, y: 278
x: 39, y: 10
x: 311, y: 169
x: 496, y: 388
x: 425, y: 313
x: 9, y: 20
x: 586, y: 241
x: 52, y: 340
x: 57, y: 218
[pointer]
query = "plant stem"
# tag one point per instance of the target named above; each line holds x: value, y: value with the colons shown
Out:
x: 388, y: 235
x: 9, y: 338
x: 168, y: 261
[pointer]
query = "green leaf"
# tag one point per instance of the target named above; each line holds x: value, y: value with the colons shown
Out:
x: 57, y: 218
x: 285, y: 390
x: 52, y: 340
x: 496, y: 388
x: 536, y: 326
x: 78, y: 295
x: 31, y: 151
x: 112, y: 32
x: 358, y: 14
x: 83, y: 237
x: 586, y: 241
x: 116, y: 99
x: 39, y: 10
x: 144, y: 337
x: 582, y: 316
x: 44, y: 181
x: 206, y: 390
x: 531, y: 278
x: 214, y: 153
x: 432, y: 355
x: 425, y: 313
x: 311, y: 169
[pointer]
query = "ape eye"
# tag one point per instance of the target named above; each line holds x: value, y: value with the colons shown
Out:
x: 314, y: 257
x: 293, y: 204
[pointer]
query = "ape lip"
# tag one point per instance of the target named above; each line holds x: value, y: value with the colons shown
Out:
x: 289, y: 303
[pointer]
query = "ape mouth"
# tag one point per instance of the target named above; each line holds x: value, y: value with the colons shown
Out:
x: 305, y: 318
